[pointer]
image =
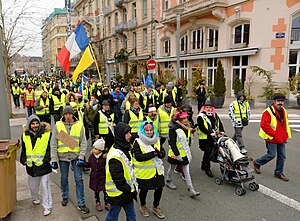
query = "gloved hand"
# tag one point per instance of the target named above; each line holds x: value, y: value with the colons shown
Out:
x: 54, y: 165
x: 179, y: 158
x: 79, y: 162
x: 160, y: 155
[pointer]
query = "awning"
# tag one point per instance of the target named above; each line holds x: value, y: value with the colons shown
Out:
x: 214, y: 54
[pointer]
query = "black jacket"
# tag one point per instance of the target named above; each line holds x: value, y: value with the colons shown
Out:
x: 45, y: 168
x: 213, y: 120
x: 173, y: 126
x: 116, y: 168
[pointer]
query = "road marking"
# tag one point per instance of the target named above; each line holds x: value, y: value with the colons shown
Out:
x: 278, y: 196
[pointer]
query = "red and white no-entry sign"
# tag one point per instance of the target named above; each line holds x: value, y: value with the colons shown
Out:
x: 151, y: 64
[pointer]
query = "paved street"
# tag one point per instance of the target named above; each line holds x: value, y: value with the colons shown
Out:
x: 276, y: 200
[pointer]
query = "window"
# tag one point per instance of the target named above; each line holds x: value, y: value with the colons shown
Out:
x: 241, y: 34
x: 116, y: 18
x: 294, y: 63
x: 145, y: 8
x: 182, y: 1
x: 197, y: 39
x: 109, y: 24
x: 184, y: 43
x: 183, y: 70
x: 211, y: 70
x: 167, y: 46
x: 108, y: 2
x: 145, y: 38
x: 167, y: 64
x: 239, y: 67
x: 58, y: 41
x: 58, y: 30
x: 134, y: 10
x: 165, y: 4
x: 124, y: 42
x: 212, y: 37
x: 133, y: 39
x: 117, y: 45
x: 124, y: 13
x: 109, y: 48
x: 295, y: 33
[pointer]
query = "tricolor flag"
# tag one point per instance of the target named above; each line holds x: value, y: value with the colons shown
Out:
x: 86, y: 60
x: 77, y: 41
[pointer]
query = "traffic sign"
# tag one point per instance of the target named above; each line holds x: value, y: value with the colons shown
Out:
x: 151, y: 64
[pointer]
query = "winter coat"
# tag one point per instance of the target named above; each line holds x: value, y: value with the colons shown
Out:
x: 117, y: 104
x: 45, y: 168
x: 67, y: 99
x: 173, y: 126
x: 116, y: 168
x: 97, y: 175
x: 89, y: 114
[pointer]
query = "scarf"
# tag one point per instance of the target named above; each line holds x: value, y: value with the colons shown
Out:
x: 136, y: 111
x: 168, y: 110
x: 147, y: 140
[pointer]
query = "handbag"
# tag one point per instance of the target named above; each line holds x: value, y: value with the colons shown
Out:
x: 245, y: 121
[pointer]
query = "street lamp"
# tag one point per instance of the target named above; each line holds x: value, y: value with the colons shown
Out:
x: 178, y: 12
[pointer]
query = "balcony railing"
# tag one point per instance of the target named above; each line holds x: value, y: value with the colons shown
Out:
x: 132, y: 24
x: 119, y: 28
x: 295, y: 35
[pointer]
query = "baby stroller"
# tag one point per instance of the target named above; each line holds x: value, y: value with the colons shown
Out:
x: 234, y: 166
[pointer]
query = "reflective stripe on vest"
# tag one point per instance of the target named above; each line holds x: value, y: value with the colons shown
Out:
x: 135, y: 122
x: 103, y: 126
x: 145, y: 169
x: 44, y: 110
x: 58, y: 103
x: 273, y: 124
x: 29, y: 96
x: 36, y: 155
x: 37, y: 94
x: 74, y: 133
x: 201, y: 135
x: 16, y: 91
x: 164, y: 119
x: 179, y: 144
x: 110, y: 186
x: 244, y: 111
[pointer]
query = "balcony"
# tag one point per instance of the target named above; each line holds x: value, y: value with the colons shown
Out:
x: 119, y: 28
x: 132, y: 24
x: 106, y: 10
x: 193, y: 8
x: 119, y: 3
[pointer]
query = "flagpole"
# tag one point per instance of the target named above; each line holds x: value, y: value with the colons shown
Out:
x: 82, y: 87
x: 91, y: 49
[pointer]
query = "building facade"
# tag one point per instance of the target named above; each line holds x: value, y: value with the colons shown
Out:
x: 240, y: 33
x: 30, y: 64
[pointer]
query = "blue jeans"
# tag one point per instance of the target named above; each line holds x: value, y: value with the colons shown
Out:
x: 114, y: 211
x: 274, y: 148
x: 29, y: 111
x: 64, y: 181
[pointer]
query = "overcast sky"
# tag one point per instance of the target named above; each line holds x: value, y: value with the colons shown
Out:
x: 37, y: 11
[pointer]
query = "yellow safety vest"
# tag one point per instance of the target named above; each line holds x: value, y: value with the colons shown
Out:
x: 165, y: 94
x: 22, y: 91
x: 137, y: 95
x: 36, y: 155
x: 74, y: 133
x: 16, y: 91
x: 135, y: 122
x: 44, y: 110
x: 37, y: 94
x: 145, y: 169
x: 244, y: 111
x: 86, y: 94
x: 155, y: 123
x: 164, y: 119
x: 110, y: 186
x: 103, y: 126
x: 58, y: 103
x: 127, y: 105
x: 29, y: 96
x: 49, y: 92
x: 203, y: 136
x: 273, y: 124
x: 179, y: 145
x: 145, y: 100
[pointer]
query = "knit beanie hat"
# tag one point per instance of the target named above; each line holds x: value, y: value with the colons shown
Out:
x: 99, y: 144
x: 68, y: 110
x: 167, y: 100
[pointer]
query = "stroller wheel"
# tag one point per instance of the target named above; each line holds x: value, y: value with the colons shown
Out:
x: 257, y: 186
x: 218, y: 181
x: 253, y: 186
x: 240, y: 191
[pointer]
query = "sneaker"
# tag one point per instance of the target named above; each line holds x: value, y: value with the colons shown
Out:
x: 99, y: 207
x: 157, y: 211
x: 256, y: 167
x: 47, y: 212
x: 243, y: 151
x: 193, y: 193
x: 281, y: 176
x: 36, y: 202
x: 144, y: 211
x: 209, y: 173
x: 64, y: 202
x: 107, y: 206
x: 83, y: 209
x: 170, y: 184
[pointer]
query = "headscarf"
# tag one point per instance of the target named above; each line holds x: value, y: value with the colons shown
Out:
x: 144, y: 137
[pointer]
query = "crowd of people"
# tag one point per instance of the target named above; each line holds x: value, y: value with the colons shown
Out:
x: 127, y: 126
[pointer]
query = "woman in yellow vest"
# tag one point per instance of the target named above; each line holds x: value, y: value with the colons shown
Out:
x: 180, y: 153
x: 134, y: 117
x: 148, y: 167
x: 35, y: 156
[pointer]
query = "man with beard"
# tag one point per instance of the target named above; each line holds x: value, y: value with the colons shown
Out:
x: 104, y: 124
x: 120, y: 179
x: 106, y: 96
x: 275, y: 130
x: 57, y: 103
x: 41, y: 107
x: 36, y: 156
